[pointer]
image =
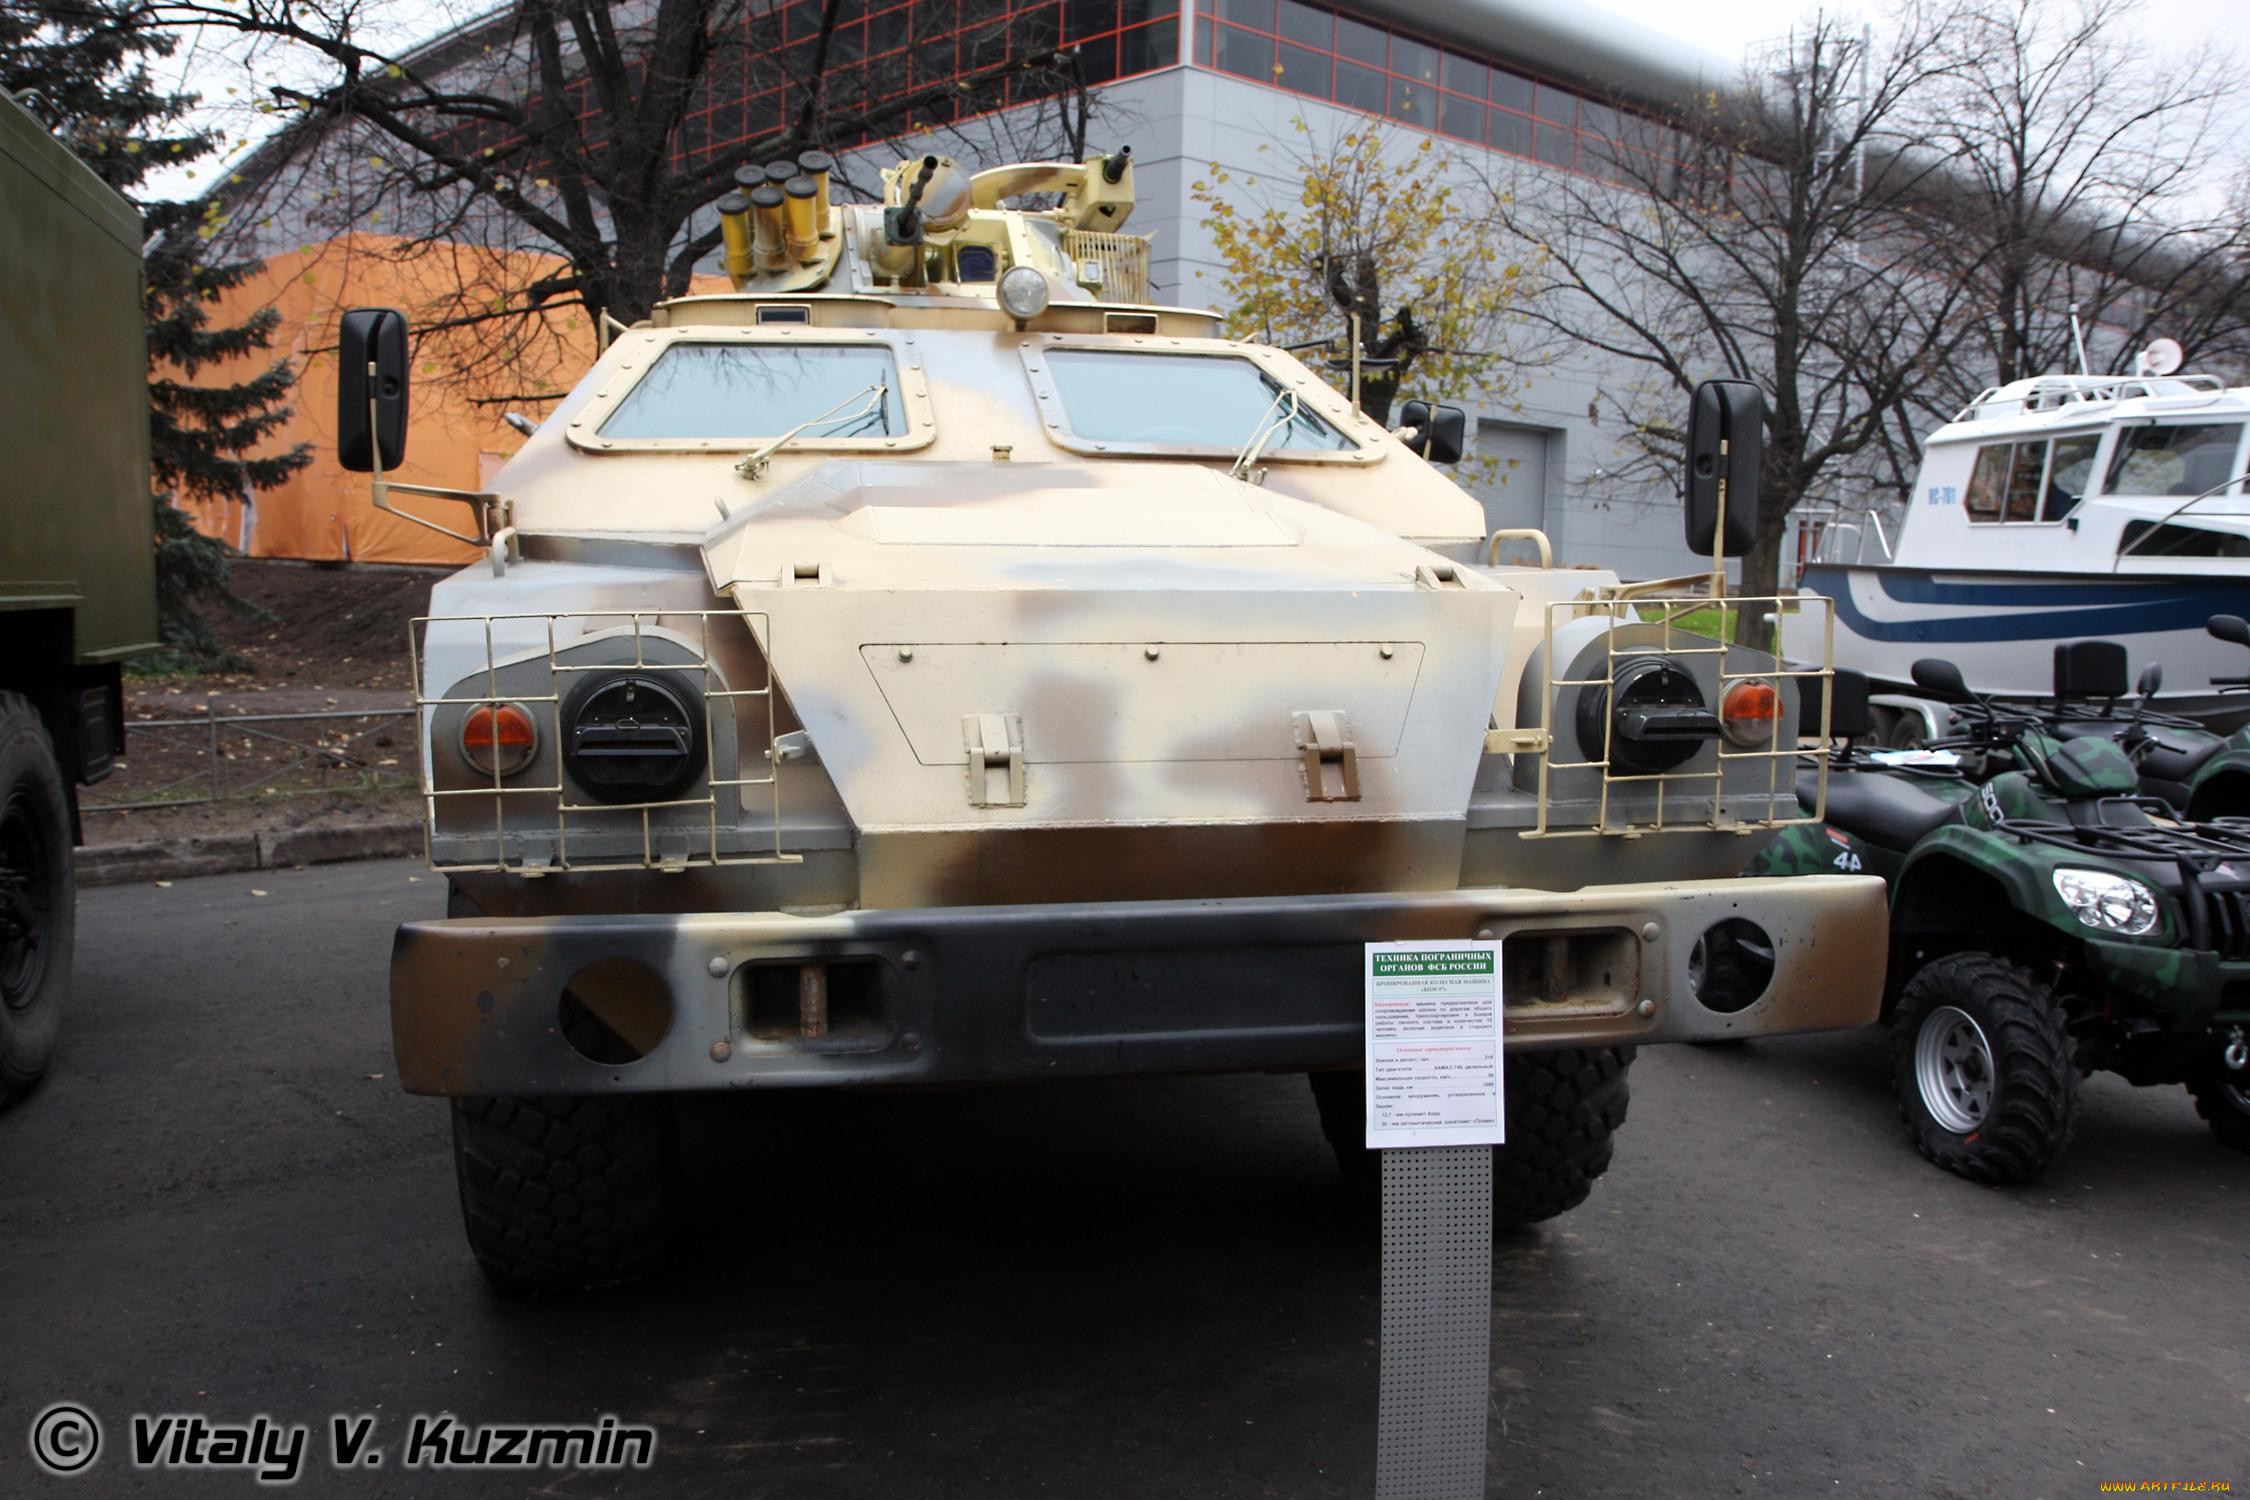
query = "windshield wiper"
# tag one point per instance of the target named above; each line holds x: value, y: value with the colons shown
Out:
x: 873, y: 400
x: 1272, y: 422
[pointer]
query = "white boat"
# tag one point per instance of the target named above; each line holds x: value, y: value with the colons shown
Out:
x: 2059, y: 508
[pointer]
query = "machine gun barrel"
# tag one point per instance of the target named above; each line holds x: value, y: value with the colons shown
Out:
x: 907, y: 226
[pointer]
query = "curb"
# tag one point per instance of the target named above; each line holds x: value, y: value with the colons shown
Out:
x: 228, y: 853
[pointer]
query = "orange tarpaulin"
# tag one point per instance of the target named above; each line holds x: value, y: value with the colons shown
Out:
x: 323, y: 512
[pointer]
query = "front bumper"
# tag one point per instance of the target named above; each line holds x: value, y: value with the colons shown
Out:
x: 480, y: 1005
x: 2183, y: 986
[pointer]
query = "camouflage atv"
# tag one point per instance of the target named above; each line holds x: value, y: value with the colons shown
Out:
x: 2047, y: 920
x: 2198, y: 773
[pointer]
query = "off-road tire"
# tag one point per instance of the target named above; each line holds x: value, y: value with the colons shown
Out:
x: 2223, y: 1099
x: 2033, y: 1108
x: 1563, y: 1110
x: 38, y: 886
x: 564, y: 1194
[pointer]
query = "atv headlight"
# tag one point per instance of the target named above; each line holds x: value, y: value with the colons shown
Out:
x: 2106, y: 902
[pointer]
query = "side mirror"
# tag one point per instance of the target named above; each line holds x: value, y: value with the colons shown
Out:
x: 371, y: 389
x: 1726, y: 443
x: 2231, y: 628
x: 1440, y: 433
x: 1941, y: 679
x: 2152, y: 680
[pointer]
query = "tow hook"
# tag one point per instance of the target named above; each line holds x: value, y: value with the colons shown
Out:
x: 2238, y: 1051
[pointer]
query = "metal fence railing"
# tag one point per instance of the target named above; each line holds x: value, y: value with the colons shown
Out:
x: 183, y: 762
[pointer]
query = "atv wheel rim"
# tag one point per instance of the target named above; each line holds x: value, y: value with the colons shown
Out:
x: 23, y: 921
x: 1953, y: 1069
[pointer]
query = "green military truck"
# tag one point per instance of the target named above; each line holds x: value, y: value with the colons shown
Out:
x: 77, y: 569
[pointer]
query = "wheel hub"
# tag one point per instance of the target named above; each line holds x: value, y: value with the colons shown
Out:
x: 1953, y: 1069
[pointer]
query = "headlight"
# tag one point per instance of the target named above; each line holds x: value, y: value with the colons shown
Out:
x: 2106, y: 902
x: 633, y: 738
x: 498, y: 739
x: 1651, y: 720
x: 1024, y: 292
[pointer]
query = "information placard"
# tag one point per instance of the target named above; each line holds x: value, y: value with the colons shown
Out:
x: 1433, y: 1045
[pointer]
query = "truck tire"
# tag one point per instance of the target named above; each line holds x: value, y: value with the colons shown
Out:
x: 38, y: 898
x: 564, y: 1194
x: 1564, y: 1108
x: 1982, y: 1061
x: 2223, y: 1099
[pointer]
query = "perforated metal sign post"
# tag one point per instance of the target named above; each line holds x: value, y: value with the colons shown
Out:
x: 1437, y: 1323
x: 1435, y: 1109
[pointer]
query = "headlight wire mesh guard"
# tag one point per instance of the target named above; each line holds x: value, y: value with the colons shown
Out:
x: 708, y: 843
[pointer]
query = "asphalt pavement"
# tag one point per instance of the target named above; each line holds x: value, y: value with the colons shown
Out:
x: 220, y: 1203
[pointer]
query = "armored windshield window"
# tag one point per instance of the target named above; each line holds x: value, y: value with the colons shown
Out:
x: 1179, y: 401
x: 752, y: 391
x: 2180, y: 460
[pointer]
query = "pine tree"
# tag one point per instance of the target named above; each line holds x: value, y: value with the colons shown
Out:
x: 82, y: 67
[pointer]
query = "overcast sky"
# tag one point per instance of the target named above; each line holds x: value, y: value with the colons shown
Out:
x: 1728, y: 26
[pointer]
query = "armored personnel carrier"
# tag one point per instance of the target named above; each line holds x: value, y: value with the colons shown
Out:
x: 935, y: 662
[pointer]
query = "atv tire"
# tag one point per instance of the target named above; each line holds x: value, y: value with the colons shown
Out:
x: 1983, y: 1065
x: 564, y: 1194
x: 1563, y: 1108
x: 38, y: 899
x: 2223, y: 1099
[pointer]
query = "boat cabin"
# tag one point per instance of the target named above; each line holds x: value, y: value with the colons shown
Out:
x: 2077, y: 474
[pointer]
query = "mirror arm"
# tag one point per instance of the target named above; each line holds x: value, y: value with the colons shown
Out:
x: 1719, y: 534
x: 380, y: 488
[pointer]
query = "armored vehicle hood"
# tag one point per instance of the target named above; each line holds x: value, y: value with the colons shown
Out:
x: 1050, y: 646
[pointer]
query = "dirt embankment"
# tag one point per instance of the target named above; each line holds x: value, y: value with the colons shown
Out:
x: 332, y: 640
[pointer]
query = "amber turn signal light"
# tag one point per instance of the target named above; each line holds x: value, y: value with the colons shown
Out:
x: 1749, y: 710
x: 499, y: 738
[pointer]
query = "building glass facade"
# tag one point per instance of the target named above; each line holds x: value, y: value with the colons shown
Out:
x: 885, y: 48
x: 1384, y: 70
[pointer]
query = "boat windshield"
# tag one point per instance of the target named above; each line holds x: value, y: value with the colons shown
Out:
x: 2033, y: 481
x: 2167, y: 539
x: 2180, y: 460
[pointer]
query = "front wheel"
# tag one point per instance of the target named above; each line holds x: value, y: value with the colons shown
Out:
x: 38, y: 898
x: 1982, y: 1062
x: 564, y: 1194
x: 2223, y: 1099
x: 1564, y: 1108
